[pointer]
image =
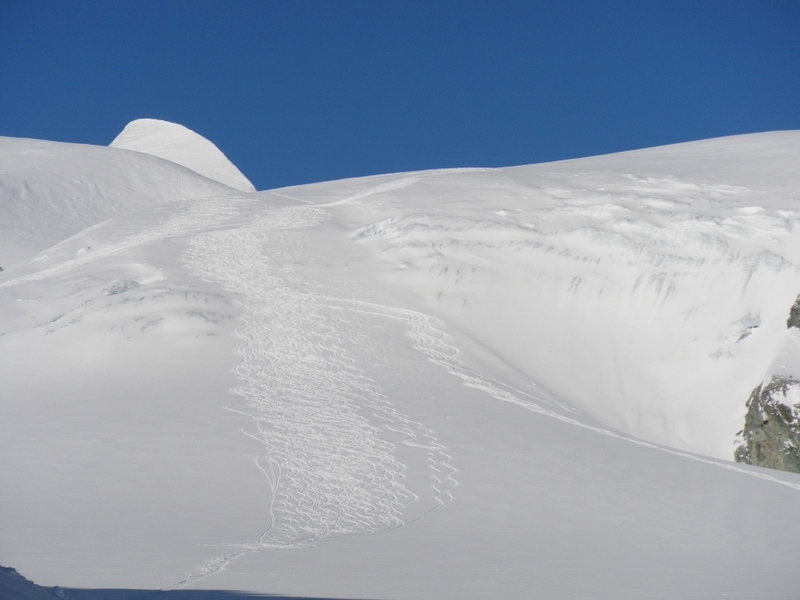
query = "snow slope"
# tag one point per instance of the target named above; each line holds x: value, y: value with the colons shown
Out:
x: 50, y: 191
x: 650, y: 289
x: 183, y: 146
x: 475, y: 383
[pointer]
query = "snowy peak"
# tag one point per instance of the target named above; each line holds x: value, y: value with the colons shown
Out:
x: 182, y: 146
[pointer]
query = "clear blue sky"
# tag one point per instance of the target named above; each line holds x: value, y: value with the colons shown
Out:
x: 295, y: 91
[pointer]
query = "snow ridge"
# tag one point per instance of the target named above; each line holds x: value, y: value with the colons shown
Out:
x: 183, y: 146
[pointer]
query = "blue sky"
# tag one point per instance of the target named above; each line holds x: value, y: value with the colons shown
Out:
x: 296, y: 92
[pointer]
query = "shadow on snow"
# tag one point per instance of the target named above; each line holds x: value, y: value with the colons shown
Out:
x: 122, y: 594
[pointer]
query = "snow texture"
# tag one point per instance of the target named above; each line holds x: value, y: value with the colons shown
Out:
x: 471, y: 383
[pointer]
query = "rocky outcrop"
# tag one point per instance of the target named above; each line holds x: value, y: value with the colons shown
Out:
x: 771, y: 435
x: 794, y: 315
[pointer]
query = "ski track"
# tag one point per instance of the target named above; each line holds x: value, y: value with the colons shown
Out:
x: 194, y: 215
x: 323, y: 422
x: 428, y: 339
x: 395, y: 184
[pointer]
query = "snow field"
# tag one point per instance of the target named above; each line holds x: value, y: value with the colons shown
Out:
x: 425, y: 385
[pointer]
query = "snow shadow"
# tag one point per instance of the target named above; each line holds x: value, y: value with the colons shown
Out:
x: 123, y: 594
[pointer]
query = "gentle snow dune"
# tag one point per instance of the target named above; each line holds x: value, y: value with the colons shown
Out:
x: 444, y: 384
x: 183, y: 146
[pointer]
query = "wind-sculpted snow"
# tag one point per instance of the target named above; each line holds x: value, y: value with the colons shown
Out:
x: 182, y: 146
x: 661, y: 292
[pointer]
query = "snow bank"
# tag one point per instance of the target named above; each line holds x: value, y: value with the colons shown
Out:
x: 183, y: 146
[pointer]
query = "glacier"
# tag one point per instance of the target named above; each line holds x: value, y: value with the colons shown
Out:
x: 515, y: 382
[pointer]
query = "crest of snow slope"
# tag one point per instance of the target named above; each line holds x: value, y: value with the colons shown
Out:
x: 183, y: 146
x: 369, y: 449
x: 50, y: 191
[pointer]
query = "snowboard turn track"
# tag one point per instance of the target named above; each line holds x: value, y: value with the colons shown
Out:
x: 328, y: 430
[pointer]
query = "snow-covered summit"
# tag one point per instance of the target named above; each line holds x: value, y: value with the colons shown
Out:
x: 183, y: 146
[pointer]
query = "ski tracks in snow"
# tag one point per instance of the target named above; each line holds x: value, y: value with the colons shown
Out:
x: 190, y: 216
x: 330, y: 434
x: 429, y: 340
x: 329, y: 431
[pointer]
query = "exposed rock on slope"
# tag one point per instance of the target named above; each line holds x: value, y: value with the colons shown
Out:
x: 794, y: 315
x: 771, y: 434
x: 772, y: 427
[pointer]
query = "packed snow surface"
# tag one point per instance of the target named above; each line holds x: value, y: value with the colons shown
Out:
x: 511, y: 383
x: 183, y: 146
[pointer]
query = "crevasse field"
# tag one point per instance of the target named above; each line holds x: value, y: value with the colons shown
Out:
x: 472, y: 383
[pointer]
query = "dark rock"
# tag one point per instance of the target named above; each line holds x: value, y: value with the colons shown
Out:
x: 771, y: 435
x: 794, y: 315
x: 120, y: 287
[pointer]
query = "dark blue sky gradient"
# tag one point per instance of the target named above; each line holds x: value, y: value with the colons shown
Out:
x: 295, y: 92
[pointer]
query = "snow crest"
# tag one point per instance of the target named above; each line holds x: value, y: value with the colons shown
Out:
x: 182, y: 146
